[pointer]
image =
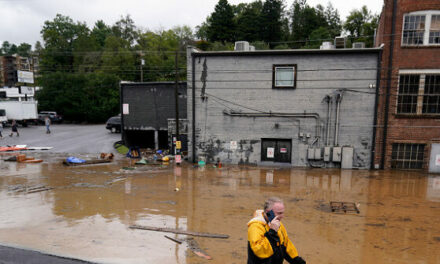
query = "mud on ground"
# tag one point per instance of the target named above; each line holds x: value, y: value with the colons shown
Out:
x: 85, y: 212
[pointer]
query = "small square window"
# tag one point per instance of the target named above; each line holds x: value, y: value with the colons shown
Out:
x: 284, y: 76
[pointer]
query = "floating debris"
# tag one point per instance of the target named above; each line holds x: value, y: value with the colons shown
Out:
x: 344, y: 207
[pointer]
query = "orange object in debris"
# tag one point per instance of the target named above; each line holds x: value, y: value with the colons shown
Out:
x: 21, y: 157
x: 32, y: 161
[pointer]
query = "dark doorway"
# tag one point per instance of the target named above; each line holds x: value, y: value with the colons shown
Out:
x: 139, y: 138
x: 276, y: 150
x: 163, y: 139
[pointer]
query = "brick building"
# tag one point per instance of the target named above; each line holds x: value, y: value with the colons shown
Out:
x: 408, y: 115
x: 10, y: 64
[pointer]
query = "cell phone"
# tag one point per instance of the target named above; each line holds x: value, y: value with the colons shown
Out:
x: 270, y: 215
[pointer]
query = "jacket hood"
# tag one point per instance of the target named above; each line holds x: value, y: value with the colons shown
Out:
x: 258, y: 218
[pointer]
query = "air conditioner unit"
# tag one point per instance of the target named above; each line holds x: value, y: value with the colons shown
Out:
x: 327, y: 46
x: 358, y: 45
x: 241, y: 46
x: 340, y: 42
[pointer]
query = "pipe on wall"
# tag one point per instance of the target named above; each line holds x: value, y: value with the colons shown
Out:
x: 277, y: 114
x: 328, y: 99
x: 338, y: 99
x: 193, y: 76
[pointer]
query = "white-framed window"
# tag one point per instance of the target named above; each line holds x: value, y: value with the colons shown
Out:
x: 421, y: 28
x: 284, y: 76
x: 419, y: 92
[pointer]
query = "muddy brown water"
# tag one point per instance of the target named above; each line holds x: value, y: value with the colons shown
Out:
x: 89, y: 209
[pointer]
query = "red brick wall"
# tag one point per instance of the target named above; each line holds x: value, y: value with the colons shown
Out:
x: 403, y: 129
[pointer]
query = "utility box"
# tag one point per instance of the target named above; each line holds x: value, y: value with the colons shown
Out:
x: 318, y: 155
x: 327, y: 153
x: 337, y: 154
x: 311, y: 154
x: 347, y: 158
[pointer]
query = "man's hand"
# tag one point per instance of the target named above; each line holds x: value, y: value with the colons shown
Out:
x: 275, y: 224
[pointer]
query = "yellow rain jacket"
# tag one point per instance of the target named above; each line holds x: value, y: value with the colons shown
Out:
x: 265, y: 245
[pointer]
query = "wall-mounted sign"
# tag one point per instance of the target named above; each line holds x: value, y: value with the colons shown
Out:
x: 178, y: 144
x: 283, y: 150
x: 25, y: 76
x: 125, y: 109
x: 437, y: 160
x: 270, y: 152
x: 27, y: 90
x: 233, y: 145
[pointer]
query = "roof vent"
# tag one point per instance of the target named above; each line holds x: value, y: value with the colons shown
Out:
x: 241, y: 46
x: 340, y: 42
x: 327, y: 46
x: 358, y: 45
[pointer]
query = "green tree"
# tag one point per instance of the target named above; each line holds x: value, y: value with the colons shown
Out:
x: 361, y: 24
x: 272, y: 21
x: 100, y: 32
x: 59, y: 36
x: 8, y: 48
x: 221, y: 23
x: 248, y: 19
x: 304, y: 20
x: 24, y: 50
x: 334, y: 25
x: 126, y: 30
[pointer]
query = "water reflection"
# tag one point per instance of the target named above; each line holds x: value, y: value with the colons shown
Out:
x: 399, y: 219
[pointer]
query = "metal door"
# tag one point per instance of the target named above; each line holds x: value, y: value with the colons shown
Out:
x: 268, y: 147
x: 283, y: 150
x: 277, y: 150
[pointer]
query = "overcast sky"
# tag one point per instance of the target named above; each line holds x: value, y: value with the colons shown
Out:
x: 22, y: 20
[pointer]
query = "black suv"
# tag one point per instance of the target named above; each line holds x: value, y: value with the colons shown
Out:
x: 114, y: 124
x: 53, y: 116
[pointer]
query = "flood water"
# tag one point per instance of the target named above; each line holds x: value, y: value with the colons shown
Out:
x: 88, y: 211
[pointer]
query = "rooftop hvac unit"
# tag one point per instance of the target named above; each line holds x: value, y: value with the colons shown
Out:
x: 340, y: 42
x: 327, y: 46
x: 241, y: 46
x: 358, y: 45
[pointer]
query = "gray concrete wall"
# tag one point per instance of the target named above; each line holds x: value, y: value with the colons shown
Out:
x: 244, y: 83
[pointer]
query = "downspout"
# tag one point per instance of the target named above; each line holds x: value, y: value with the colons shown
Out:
x: 387, y: 100
x: 376, y: 102
x: 328, y: 98
x: 338, y: 104
x: 193, y: 108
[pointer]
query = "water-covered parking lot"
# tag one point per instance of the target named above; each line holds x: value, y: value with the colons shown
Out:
x: 85, y: 212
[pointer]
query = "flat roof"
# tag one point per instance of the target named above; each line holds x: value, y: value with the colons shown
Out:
x: 199, y: 53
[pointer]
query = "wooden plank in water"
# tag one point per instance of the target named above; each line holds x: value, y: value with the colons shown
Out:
x: 178, y: 231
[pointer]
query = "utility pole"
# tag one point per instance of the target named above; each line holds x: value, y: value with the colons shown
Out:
x: 142, y: 72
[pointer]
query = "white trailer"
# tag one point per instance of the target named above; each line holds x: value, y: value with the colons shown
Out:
x: 20, y: 107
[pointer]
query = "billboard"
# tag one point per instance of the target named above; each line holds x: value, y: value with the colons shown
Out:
x: 25, y: 76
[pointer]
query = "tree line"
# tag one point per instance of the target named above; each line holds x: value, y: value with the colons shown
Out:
x: 272, y: 25
x: 80, y: 67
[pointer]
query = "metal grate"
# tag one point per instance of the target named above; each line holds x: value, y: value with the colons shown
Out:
x: 431, y: 97
x: 408, y: 91
x: 407, y: 156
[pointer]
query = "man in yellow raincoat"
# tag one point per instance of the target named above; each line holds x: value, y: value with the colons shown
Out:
x: 267, y: 237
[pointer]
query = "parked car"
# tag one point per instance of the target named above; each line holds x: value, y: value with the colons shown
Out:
x: 53, y: 116
x: 114, y: 124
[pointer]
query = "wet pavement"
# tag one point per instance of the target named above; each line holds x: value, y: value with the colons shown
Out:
x: 65, y: 138
x: 85, y: 212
